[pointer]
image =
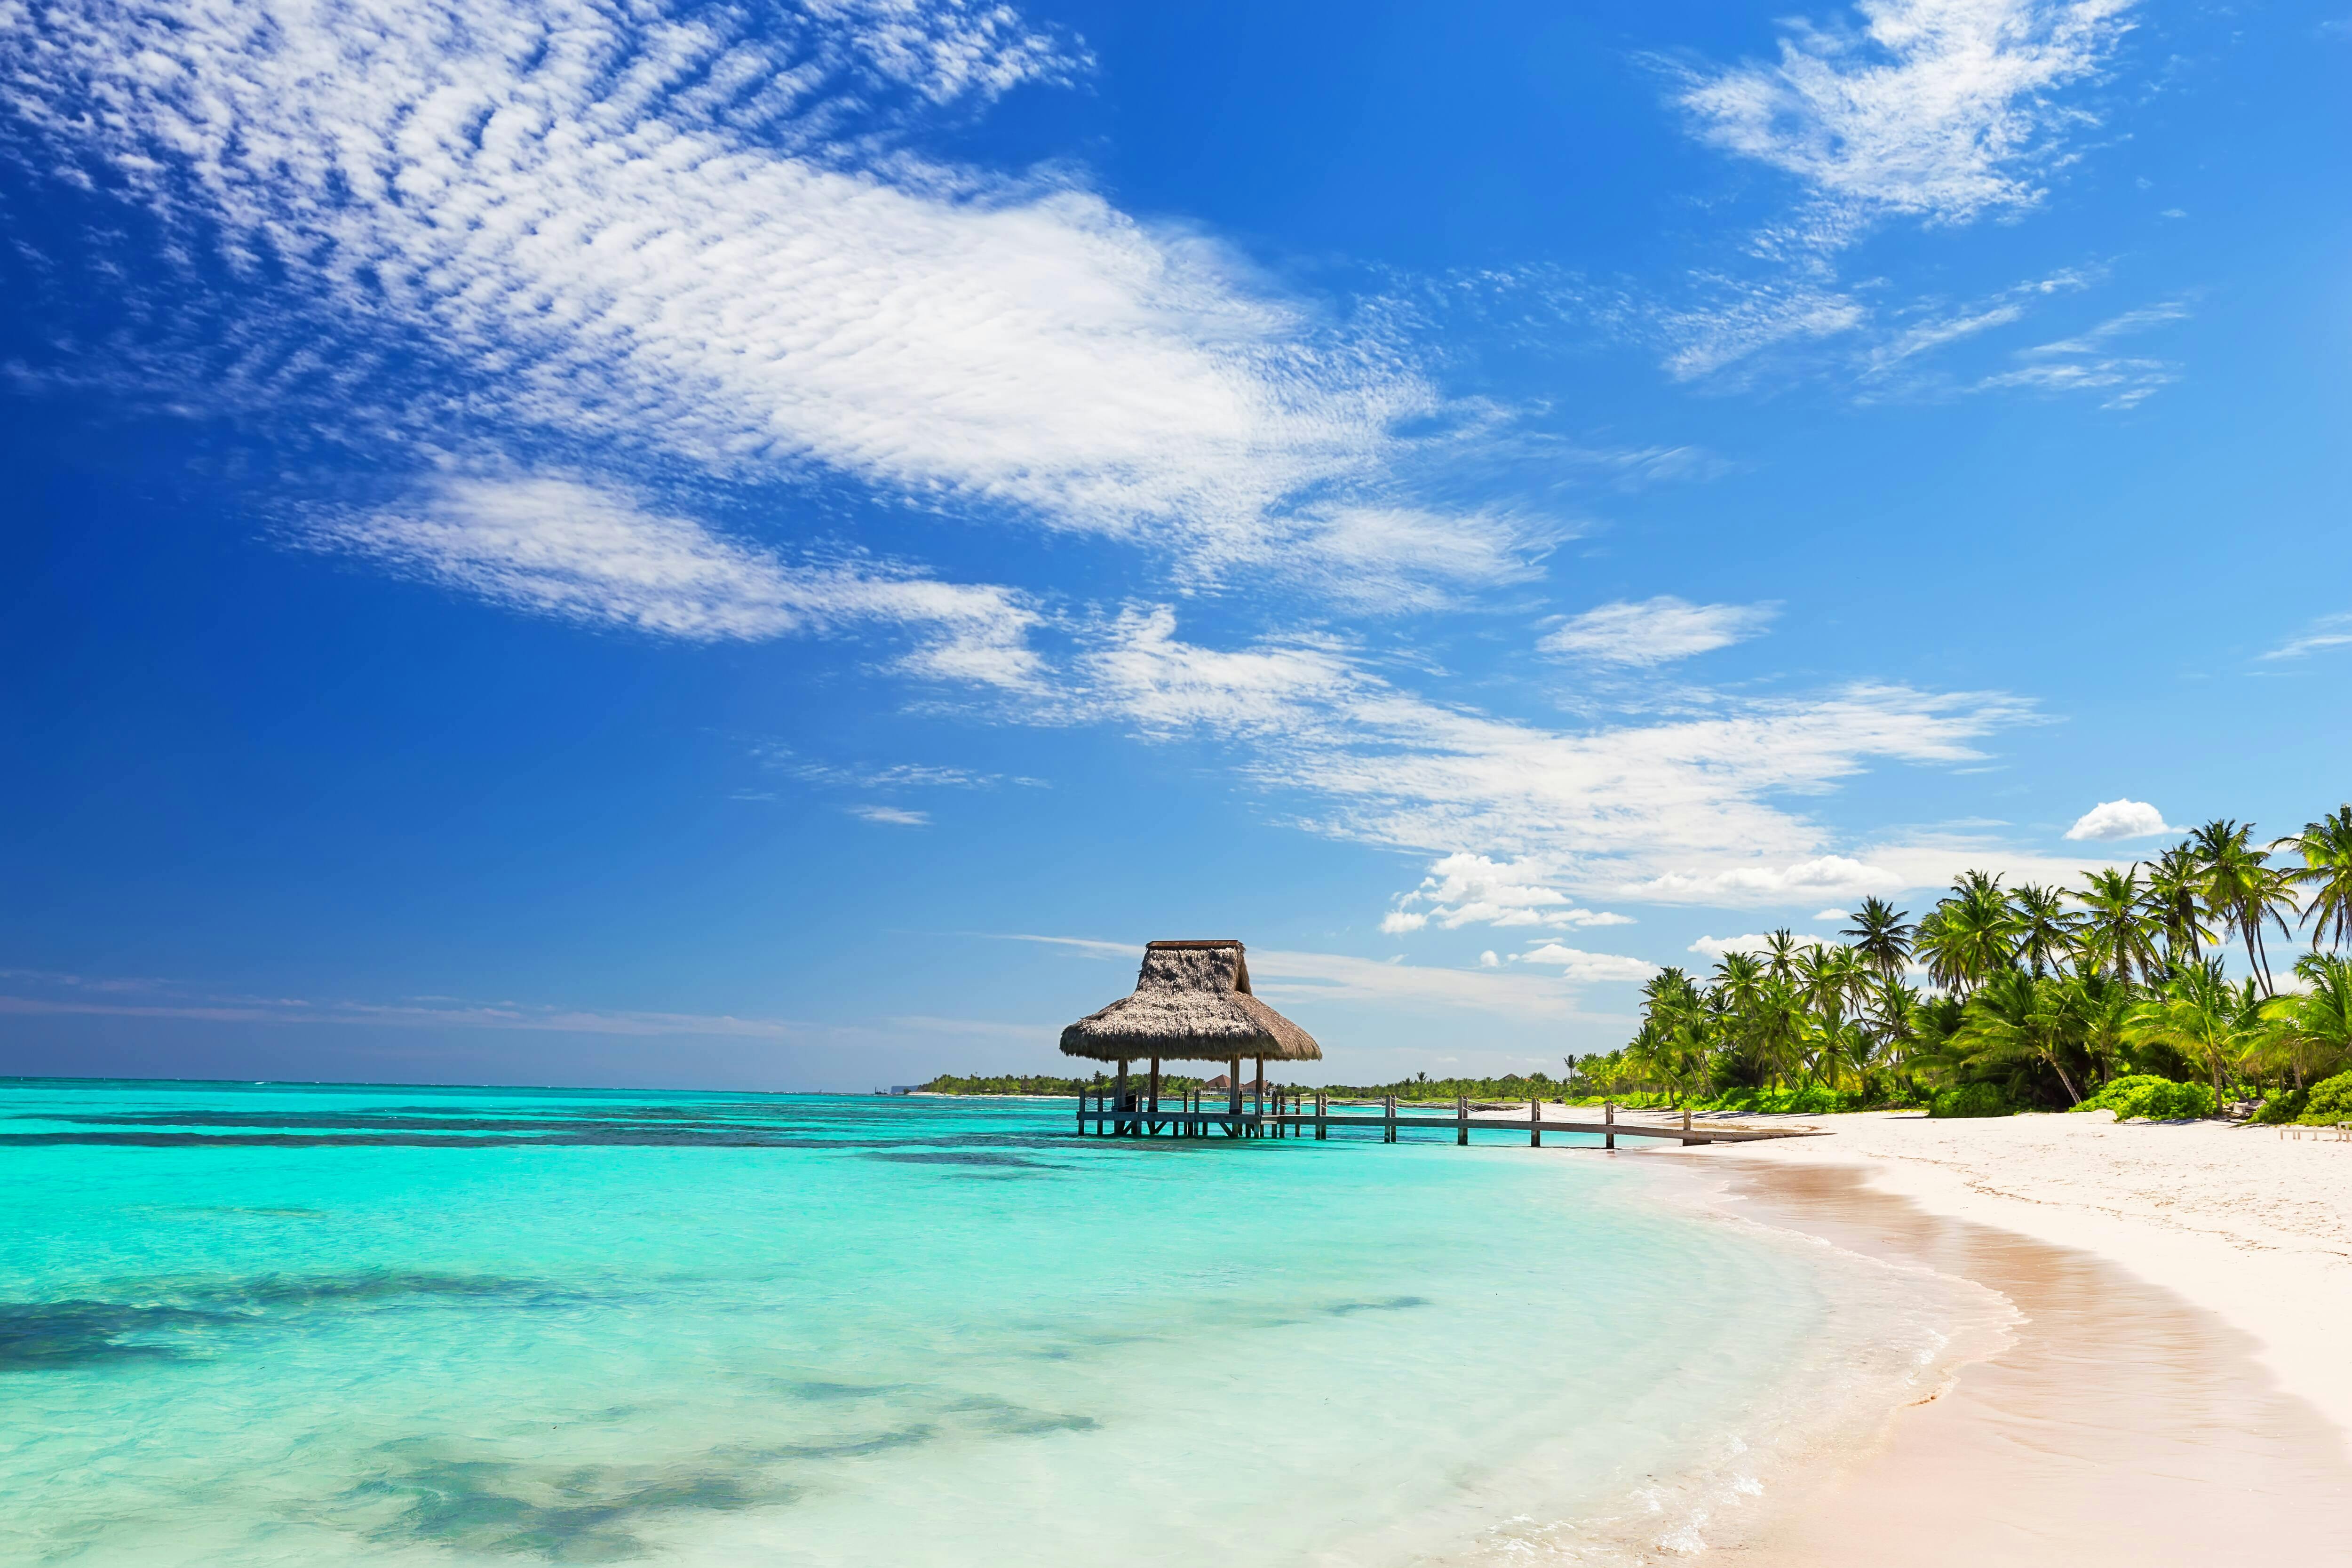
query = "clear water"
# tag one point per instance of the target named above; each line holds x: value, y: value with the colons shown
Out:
x: 275, y: 1324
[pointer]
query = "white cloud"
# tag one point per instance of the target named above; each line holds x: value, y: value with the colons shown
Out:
x: 1885, y: 869
x: 1771, y: 884
x: 2119, y: 819
x: 1679, y: 810
x: 1656, y: 631
x: 1832, y: 915
x: 1716, y: 946
x: 1580, y: 966
x: 650, y: 233
x: 2328, y: 631
x: 1743, y: 317
x: 1474, y: 889
x: 1487, y: 960
x: 1944, y: 110
x: 2082, y: 363
x: 894, y: 816
x: 560, y: 547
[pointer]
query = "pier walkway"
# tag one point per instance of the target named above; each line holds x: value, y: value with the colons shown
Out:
x: 1106, y: 1114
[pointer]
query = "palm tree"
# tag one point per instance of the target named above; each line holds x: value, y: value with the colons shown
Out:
x: 2242, y: 889
x: 2311, y: 1032
x: 2018, y: 1015
x: 1780, y: 954
x: 2044, y: 927
x: 2175, y: 902
x: 1831, y: 979
x: 2115, y: 937
x: 1971, y: 936
x: 1779, y: 1029
x: 2102, y: 1005
x: 1893, y: 1017
x: 1879, y: 934
x: 2325, y: 846
x: 2200, y: 1014
x: 1739, y: 976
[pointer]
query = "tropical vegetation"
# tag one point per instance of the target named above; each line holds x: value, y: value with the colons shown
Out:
x: 2037, y: 997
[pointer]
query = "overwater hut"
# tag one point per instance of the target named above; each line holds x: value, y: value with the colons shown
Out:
x: 1192, y: 1004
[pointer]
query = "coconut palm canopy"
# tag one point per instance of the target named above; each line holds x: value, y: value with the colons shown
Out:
x: 1191, y: 1003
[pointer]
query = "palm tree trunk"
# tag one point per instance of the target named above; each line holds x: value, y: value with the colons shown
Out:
x: 2051, y: 1058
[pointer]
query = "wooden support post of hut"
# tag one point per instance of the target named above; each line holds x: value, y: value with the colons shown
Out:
x: 1192, y: 1004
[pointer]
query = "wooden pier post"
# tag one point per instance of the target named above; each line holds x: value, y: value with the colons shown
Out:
x: 1535, y: 1123
x: 1233, y: 1079
x: 1388, y: 1108
x: 1322, y: 1109
x: 1462, y: 1120
x: 1609, y: 1115
x: 1118, y: 1102
x: 1151, y: 1095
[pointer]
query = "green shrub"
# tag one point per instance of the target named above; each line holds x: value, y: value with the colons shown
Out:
x: 2330, y: 1102
x: 1812, y: 1099
x: 2282, y: 1107
x: 2158, y: 1098
x: 1972, y: 1099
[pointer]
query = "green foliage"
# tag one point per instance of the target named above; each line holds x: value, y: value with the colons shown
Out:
x: 1808, y: 1100
x: 1533, y: 1086
x: 1039, y: 1083
x: 2158, y: 1098
x: 2330, y: 1103
x: 1972, y: 1099
x: 2283, y: 1108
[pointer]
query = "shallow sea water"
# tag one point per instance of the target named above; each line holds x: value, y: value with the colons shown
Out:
x: 321, y: 1325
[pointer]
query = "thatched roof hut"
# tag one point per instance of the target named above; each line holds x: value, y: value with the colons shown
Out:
x: 1191, y: 1003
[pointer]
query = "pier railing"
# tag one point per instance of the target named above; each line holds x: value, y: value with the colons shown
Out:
x: 1106, y: 1114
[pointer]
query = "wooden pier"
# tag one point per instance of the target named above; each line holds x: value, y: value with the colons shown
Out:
x: 1110, y: 1114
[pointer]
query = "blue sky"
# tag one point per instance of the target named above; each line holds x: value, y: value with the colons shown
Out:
x: 774, y: 547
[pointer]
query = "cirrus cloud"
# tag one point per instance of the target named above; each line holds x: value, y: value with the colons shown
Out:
x: 1655, y: 631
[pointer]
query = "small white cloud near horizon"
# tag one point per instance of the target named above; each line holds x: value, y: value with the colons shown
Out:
x: 1716, y: 946
x: 1655, y: 631
x: 893, y: 816
x: 1832, y: 914
x: 1474, y: 889
x: 2119, y: 819
x: 1578, y: 965
x: 2326, y: 632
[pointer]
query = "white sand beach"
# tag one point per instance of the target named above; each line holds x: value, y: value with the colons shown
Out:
x: 2243, y: 1222
x: 2175, y: 1390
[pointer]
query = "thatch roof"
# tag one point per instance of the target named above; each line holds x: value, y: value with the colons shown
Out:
x: 1191, y: 1003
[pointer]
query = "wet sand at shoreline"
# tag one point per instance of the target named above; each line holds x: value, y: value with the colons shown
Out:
x: 2121, y: 1424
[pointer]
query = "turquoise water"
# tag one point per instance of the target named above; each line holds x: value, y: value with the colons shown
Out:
x: 274, y: 1324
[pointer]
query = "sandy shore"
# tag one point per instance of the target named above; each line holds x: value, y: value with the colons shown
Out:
x: 2251, y: 1226
x: 2177, y: 1390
